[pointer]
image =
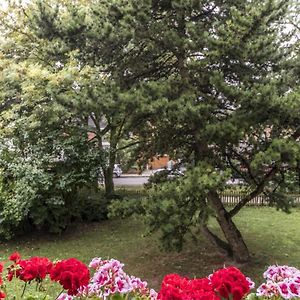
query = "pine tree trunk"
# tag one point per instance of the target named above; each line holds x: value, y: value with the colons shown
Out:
x: 233, y: 236
x: 222, y: 246
x: 236, y: 245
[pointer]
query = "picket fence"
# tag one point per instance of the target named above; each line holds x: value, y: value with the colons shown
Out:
x: 261, y: 200
x: 233, y: 198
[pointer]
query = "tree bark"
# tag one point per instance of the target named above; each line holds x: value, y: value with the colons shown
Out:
x: 240, y: 252
x: 108, y: 172
x: 108, y: 181
x: 222, y: 247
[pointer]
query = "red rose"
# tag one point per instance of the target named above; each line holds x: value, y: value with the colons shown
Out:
x: 15, y: 257
x: 71, y: 274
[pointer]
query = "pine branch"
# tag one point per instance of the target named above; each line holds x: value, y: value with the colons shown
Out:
x: 259, y: 189
x: 247, y: 165
x: 105, y: 130
x: 128, y: 145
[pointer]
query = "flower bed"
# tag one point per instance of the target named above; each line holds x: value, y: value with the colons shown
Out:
x: 106, y: 279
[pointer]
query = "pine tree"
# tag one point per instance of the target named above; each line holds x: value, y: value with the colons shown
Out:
x: 218, y: 76
x: 214, y: 82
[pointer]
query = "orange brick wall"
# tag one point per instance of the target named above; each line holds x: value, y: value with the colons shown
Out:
x: 159, y: 162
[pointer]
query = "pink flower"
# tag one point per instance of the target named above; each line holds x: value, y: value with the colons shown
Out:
x: 267, y: 289
x: 109, y: 279
x: 294, y: 288
x: 153, y: 294
x: 65, y: 296
x: 282, y: 281
x: 283, y: 289
x: 279, y: 273
x: 138, y: 284
x: 95, y: 263
x: 251, y: 283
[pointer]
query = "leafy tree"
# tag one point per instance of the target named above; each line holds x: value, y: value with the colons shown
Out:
x: 220, y: 75
x: 64, y: 42
x: 45, y: 160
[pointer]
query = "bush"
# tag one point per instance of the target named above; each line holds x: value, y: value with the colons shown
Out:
x: 44, y: 191
x: 93, y: 205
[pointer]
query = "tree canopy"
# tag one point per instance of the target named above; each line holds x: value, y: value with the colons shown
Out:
x: 213, y: 82
x: 62, y: 45
x: 222, y: 76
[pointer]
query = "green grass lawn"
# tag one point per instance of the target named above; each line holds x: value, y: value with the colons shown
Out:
x: 272, y: 237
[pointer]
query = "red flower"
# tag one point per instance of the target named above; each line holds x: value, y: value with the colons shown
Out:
x: 175, y: 287
x: 1, y: 267
x: 2, y: 295
x: 35, y: 268
x: 71, y: 274
x: 230, y: 282
x: 200, y: 284
x: 1, y: 270
x: 202, y: 295
x: 14, y: 268
x: 227, y: 283
x: 15, y: 257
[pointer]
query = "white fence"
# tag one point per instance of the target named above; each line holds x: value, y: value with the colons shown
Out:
x: 261, y: 200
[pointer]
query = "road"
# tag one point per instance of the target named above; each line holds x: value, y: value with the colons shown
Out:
x: 134, y: 180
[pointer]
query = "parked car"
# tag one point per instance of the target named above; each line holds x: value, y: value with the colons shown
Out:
x: 171, y: 173
x: 117, y: 172
x: 163, y: 175
x: 235, y: 181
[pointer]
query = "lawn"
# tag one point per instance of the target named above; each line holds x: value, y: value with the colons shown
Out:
x: 272, y: 237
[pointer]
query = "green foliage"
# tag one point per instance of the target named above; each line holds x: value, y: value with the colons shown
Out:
x: 175, y: 208
x: 213, y: 83
x: 41, y: 188
x: 252, y: 296
x: 66, y: 54
x: 178, y: 206
x: 92, y: 205
x: 157, y: 178
x: 220, y: 89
